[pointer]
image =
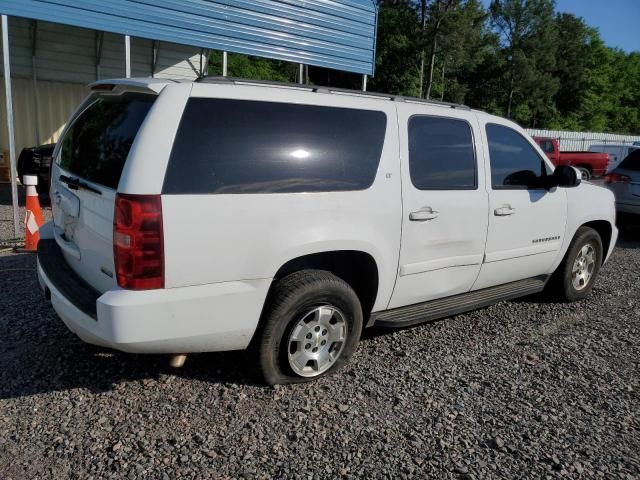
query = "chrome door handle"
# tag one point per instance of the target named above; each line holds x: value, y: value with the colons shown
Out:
x: 504, y: 210
x: 424, y: 214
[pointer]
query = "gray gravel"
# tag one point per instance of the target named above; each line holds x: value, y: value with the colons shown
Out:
x: 523, y: 389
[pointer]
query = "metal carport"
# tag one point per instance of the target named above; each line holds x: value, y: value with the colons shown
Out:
x: 326, y: 33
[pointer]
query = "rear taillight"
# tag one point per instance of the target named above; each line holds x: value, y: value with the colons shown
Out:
x: 50, y: 175
x: 138, y: 248
x: 616, y: 178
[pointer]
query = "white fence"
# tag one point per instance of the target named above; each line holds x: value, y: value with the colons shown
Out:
x: 581, y: 141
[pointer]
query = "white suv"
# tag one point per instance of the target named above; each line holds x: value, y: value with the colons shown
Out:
x: 227, y: 214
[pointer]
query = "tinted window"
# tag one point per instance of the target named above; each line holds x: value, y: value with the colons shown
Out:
x: 441, y: 154
x: 514, y: 161
x: 236, y: 146
x: 632, y: 161
x: 98, y: 141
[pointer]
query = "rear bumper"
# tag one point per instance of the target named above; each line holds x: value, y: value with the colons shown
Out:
x: 202, y: 318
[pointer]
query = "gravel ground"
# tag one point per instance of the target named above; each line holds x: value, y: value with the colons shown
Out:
x: 523, y: 389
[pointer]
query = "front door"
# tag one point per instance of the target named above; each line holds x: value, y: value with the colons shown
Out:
x: 444, y: 209
x: 526, y: 223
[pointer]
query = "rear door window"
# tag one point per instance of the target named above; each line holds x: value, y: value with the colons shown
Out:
x: 441, y: 154
x: 96, y: 145
x: 240, y: 146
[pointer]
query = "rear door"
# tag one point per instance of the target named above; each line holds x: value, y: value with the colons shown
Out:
x: 444, y: 211
x: 88, y: 164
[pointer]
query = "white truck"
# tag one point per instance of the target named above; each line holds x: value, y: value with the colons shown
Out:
x: 225, y: 214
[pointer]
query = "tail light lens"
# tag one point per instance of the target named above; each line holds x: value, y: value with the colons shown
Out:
x: 616, y: 178
x: 138, y: 248
x: 50, y: 175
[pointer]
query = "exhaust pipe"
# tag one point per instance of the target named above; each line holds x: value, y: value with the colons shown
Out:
x: 177, y: 360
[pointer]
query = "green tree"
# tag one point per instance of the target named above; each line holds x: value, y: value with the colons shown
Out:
x: 465, y: 42
x: 256, y: 68
x: 440, y: 12
x: 529, y: 38
x: 398, y: 49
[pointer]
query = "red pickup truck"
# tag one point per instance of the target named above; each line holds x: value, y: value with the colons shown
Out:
x: 590, y: 164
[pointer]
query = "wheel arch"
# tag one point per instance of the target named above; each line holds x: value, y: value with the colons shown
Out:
x: 605, y: 230
x: 359, y: 269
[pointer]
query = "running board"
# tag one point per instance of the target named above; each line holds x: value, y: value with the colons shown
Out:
x: 445, y: 307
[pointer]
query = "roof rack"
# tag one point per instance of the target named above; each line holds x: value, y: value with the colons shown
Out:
x: 321, y: 89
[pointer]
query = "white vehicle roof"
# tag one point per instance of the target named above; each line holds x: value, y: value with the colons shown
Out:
x: 156, y: 85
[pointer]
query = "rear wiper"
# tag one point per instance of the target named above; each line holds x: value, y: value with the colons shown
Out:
x: 76, y: 183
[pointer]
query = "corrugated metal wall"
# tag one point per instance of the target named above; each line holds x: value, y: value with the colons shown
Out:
x: 56, y: 102
x: 581, y: 141
x: 65, y: 64
x: 68, y: 54
x: 326, y: 33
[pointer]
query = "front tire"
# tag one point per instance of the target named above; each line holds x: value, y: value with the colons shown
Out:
x: 312, y: 325
x: 585, y: 174
x: 577, y: 273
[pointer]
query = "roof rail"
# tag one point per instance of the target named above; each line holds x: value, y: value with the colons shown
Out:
x: 321, y: 89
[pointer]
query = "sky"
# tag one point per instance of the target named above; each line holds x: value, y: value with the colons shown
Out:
x: 617, y: 20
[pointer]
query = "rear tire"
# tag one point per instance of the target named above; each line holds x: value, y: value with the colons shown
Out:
x: 311, y: 327
x: 576, y: 275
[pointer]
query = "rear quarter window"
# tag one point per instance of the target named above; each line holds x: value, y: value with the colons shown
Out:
x: 97, y: 143
x: 240, y: 146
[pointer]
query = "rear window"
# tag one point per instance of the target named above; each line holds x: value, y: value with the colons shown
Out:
x: 632, y: 161
x: 96, y: 145
x: 546, y: 145
x: 240, y: 146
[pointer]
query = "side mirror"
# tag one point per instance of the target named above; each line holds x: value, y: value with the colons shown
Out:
x: 565, y: 176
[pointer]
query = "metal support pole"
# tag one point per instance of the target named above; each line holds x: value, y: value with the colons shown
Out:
x: 301, y: 74
x: 154, y: 57
x: 99, y: 42
x: 127, y: 55
x: 224, y: 64
x: 364, y: 83
x: 10, y: 129
x: 34, y: 71
x: 206, y: 53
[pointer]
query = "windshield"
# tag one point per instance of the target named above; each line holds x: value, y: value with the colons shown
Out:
x: 96, y: 145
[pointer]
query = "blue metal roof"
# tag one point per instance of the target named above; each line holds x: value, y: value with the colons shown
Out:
x: 327, y: 33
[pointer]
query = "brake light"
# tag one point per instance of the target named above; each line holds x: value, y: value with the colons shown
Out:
x: 103, y: 87
x: 138, y: 247
x: 616, y: 178
x: 50, y: 176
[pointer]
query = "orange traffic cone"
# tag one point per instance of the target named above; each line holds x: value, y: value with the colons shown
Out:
x: 33, y: 219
